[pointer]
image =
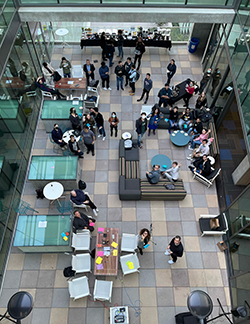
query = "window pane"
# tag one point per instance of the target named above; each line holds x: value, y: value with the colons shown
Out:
x: 8, y: 12
x: 207, y: 2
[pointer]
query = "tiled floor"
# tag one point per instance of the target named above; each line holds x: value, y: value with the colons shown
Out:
x: 160, y: 291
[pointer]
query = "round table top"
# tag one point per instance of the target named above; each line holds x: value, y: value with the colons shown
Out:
x: 163, y: 161
x: 180, y: 138
x: 66, y: 136
x: 126, y: 135
x: 62, y: 31
x: 53, y: 190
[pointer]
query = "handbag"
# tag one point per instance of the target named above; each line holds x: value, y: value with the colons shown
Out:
x: 169, y: 186
x: 56, y: 76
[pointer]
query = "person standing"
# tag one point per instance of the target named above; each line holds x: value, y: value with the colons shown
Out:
x: 104, y: 74
x: 189, y: 93
x: 89, y: 69
x: 120, y: 44
x: 119, y: 71
x: 79, y: 197
x: 154, y: 118
x: 127, y: 68
x: 103, y: 45
x: 143, y: 239
x: 57, y: 136
x: 113, y: 121
x: 147, y: 86
x: 74, y: 147
x: 74, y: 118
x: 139, y: 50
x: 88, y: 139
x: 109, y: 50
x: 154, y: 175
x: 66, y: 66
x: 171, y: 70
x: 173, y: 118
x: 132, y: 76
x: 205, y: 79
x: 165, y: 95
x: 175, y: 249
x: 100, y: 123
x: 141, y: 127
x: 172, y: 173
x: 216, y: 76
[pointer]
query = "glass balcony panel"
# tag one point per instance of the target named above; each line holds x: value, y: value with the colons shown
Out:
x: 207, y: 2
x: 8, y: 12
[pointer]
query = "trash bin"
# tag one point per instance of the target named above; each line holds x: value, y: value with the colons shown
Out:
x: 194, y: 42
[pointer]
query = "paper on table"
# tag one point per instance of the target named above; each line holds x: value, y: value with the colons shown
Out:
x: 75, y: 102
x: 42, y: 224
x: 115, y: 252
x: 99, y: 266
x: 100, y: 229
x: 70, y: 82
x: 98, y: 260
x: 114, y: 245
x: 99, y: 253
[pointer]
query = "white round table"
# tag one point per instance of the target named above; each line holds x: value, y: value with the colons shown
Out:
x: 67, y: 134
x: 53, y: 191
x: 62, y: 32
x: 126, y: 135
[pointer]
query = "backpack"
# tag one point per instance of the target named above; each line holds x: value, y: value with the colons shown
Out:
x: 169, y: 186
x: 128, y: 144
x: 68, y: 272
x: 93, y: 83
x: 205, y: 118
x: 39, y: 194
x: 137, y: 76
x: 56, y: 76
x: 82, y: 185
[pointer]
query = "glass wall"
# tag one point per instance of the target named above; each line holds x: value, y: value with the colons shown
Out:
x: 19, y: 109
x: 6, y: 14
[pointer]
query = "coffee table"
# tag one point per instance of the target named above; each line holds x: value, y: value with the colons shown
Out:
x: 53, y: 191
x: 109, y: 263
x: 180, y: 138
x: 163, y: 161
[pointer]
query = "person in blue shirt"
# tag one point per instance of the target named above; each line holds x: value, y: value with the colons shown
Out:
x: 104, y: 74
x: 154, y: 118
x: 165, y: 96
x: 171, y: 70
x: 57, y: 135
x: 79, y: 197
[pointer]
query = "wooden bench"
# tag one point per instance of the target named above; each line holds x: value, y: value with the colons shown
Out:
x: 159, y: 192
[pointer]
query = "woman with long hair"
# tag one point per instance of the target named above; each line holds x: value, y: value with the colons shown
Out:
x: 143, y: 239
x: 200, y: 105
x: 139, y: 50
x: 154, y: 118
x: 74, y: 118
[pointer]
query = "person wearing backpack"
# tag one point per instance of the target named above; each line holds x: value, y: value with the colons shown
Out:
x: 132, y: 79
x: 148, y: 84
x: 139, y: 50
x: 127, y: 68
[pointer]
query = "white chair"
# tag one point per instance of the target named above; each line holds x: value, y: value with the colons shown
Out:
x: 47, y: 94
x: 81, y: 263
x: 131, y: 258
x: 94, y: 90
x: 79, y: 206
x: 75, y: 98
x: 90, y: 104
x: 129, y: 242
x: 204, y: 222
x: 79, y: 288
x: 103, y: 290
x: 81, y: 241
x: 207, y: 182
x: 77, y: 71
x: 31, y: 93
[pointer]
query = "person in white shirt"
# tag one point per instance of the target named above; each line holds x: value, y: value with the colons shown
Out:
x: 172, y: 173
x: 202, y: 150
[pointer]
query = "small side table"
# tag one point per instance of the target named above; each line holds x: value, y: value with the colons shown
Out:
x: 63, y: 32
x: 161, y: 160
x: 53, y: 191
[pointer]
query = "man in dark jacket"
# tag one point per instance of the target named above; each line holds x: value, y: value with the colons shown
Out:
x: 120, y: 44
x: 202, y: 166
x: 89, y: 69
x: 57, y: 135
x: 141, y: 127
x: 104, y: 74
x: 171, y: 70
x: 74, y: 147
x: 99, y: 122
x: 204, y: 81
x: 147, y: 86
x: 109, y: 50
x: 127, y: 68
x: 82, y: 221
x: 154, y: 175
x: 165, y: 96
x: 78, y: 197
x: 88, y: 139
x: 119, y: 71
x: 175, y: 249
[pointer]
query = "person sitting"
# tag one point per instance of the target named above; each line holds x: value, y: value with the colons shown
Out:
x: 74, y: 147
x: 202, y: 150
x: 143, y: 239
x: 89, y: 69
x: 186, y: 120
x: 202, y: 166
x: 173, y: 118
x: 41, y: 85
x: 78, y: 197
x: 154, y: 118
x: 165, y: 95
x: 172, y: 173
x: 196, y: 128
x: 48, y: 73
x: 198, y: 140
x: 74, y: 118
x: 154, y: 175
x: 82, y: 221
x: 57, y: 135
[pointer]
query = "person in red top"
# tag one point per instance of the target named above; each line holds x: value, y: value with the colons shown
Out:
x: 190, y: 90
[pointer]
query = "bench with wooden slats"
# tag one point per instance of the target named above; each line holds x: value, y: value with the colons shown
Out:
x: 132, y: 170
x: 122, y: 166
x: 159, y: 192
x: 214, y: 147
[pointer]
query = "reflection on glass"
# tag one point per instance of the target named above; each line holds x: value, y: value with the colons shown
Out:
x: 8, y: 12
